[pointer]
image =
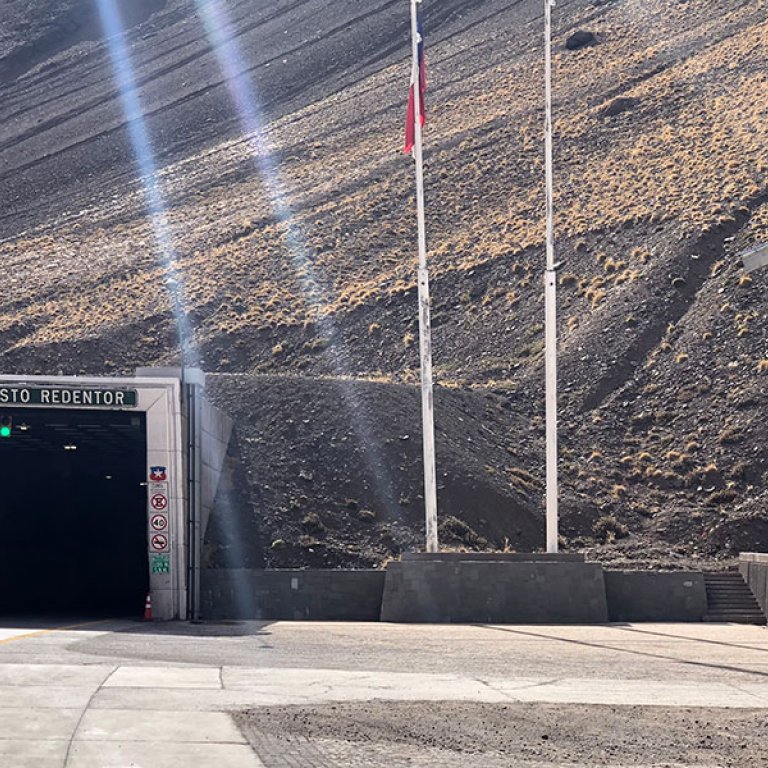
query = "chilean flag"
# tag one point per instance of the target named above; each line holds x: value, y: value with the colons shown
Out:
x: 410, y: 120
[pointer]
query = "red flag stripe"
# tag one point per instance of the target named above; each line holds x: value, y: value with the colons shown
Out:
x: 410, y: 117
x: 410, y: 120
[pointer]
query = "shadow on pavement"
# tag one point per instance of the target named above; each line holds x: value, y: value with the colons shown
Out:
x: 131, y: 625
x: 619, y: 649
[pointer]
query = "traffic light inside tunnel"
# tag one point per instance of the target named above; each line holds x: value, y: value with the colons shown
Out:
x: 73, y: 513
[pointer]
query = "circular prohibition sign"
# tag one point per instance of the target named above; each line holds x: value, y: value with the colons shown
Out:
x: 158, y: 522
x: 159, y: 542
x: 159, y: 502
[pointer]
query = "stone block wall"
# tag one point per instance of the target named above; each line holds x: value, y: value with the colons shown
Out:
x: 655, y: 596
x: 478, y: 591
x: 445, y: 589
x: 242, y: 593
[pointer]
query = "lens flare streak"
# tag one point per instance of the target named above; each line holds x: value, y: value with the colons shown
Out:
x: 125, y: 79
x: 220, y: 32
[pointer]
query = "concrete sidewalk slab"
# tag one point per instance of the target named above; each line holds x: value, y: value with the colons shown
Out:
x: 160, y: 755
x: 305, y: 685
x: 758, y: 690
x: 54, y: 674
x: 634, y: 693
x: 165, y: 677
x: 38, y: 724
x: 124, y: 725
x: 173, y: 699
x: 45, y: 697
x: 18, y: 753
x: 291, y: 686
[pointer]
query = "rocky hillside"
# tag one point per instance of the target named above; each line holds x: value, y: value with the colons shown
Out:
x: 289, y: 228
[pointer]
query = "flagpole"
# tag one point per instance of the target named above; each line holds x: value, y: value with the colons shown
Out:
x: 425, y: 332
x: 550, y: 306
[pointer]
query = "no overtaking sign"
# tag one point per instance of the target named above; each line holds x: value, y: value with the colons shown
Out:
x: 159, y: 502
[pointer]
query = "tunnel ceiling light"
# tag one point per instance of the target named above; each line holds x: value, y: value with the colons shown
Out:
x: 70, y: 447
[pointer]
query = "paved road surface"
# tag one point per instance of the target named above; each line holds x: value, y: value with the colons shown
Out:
x: 118, y: 694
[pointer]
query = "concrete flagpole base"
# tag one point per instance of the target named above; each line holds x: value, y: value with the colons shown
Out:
x: 502, y: 588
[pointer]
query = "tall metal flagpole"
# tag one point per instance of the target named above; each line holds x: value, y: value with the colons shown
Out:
x: 425, y: 331
x: 550, y: 308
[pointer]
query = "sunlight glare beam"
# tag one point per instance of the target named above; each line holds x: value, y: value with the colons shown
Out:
x: 125, y: 79
x: 221, y: 35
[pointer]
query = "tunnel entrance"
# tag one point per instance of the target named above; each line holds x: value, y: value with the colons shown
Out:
x: 73, y: 520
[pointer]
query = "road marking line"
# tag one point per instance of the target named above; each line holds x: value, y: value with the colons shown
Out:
x: 41, y: 632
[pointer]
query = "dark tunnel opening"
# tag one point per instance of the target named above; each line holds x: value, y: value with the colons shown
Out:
x: 73, y: 520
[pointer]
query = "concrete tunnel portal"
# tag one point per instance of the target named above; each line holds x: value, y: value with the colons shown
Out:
x: 106, y: 486
x: 73, y: 525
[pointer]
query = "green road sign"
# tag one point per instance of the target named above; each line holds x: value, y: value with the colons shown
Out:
x: 161, y: 563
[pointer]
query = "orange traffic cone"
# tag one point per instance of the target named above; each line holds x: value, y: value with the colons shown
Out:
x: 148, y: 608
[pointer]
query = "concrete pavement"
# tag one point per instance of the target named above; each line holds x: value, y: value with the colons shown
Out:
x: 120, y: 694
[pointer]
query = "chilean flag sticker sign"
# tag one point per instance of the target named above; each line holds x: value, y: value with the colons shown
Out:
x: 158, y: 474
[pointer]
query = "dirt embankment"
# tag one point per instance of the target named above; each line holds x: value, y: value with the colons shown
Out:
x: 296, y: 258
x: 333, y: 471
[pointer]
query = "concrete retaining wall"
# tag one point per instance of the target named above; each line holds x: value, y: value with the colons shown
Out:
x: 754, y: 568
x: 298, y: 595
x: 496, y: 557
x: 447, y: 590
x: 477, y: 591
x: 655, y: 596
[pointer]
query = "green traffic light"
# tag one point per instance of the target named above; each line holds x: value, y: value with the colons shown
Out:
x: 5, y: 431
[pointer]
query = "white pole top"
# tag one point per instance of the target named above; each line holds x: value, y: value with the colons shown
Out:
x: 755, y: 258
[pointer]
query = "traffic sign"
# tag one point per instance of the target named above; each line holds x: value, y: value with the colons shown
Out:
x: 158, y: 542
x: 159, y: 502
x: 158, y: 522
x: 161, y: 563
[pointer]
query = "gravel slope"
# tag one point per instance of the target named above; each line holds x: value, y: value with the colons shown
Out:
x: 296, y: 255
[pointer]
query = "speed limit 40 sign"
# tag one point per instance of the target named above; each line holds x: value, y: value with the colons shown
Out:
x: 158, y: 522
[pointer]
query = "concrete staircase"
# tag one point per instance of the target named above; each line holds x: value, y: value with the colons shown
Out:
x: 730, y: 599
